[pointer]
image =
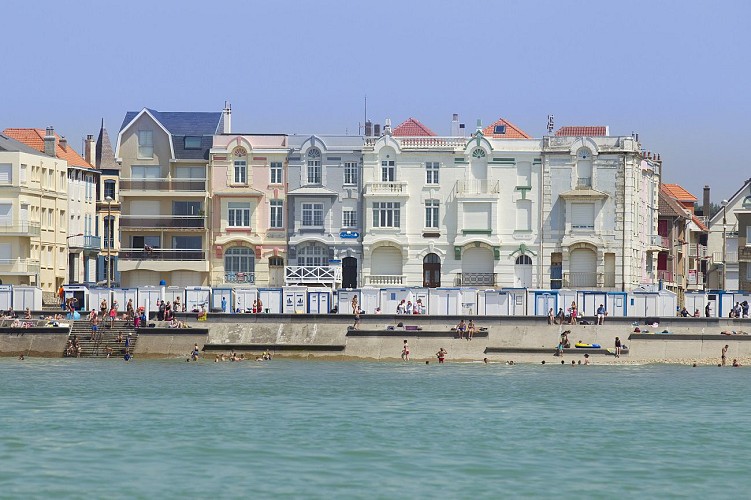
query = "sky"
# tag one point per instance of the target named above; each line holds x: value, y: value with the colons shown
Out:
x: 675, y: 72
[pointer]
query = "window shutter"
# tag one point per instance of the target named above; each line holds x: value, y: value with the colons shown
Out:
x: 583, y: 215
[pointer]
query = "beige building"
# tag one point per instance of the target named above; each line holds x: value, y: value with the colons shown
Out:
x: 33, y: 216
x: 164, y: 197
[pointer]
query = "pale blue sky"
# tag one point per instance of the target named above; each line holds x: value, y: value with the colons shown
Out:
x: 676, y: 72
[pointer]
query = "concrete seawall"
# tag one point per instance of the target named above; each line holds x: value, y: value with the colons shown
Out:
x: 326, y: 336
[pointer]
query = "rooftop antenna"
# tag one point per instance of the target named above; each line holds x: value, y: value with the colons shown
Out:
x: 550, y: 124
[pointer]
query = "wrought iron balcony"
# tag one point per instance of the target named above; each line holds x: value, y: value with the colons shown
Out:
x: 248, y: 277
x: 583, y: 182
x: 160, y: 254
x: 19, y: 228
x: 163, y: 221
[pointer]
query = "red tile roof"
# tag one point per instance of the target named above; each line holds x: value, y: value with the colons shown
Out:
x: 511, y: 130
x: 412, y: 128
x: 677, y: 192
x: 699, y: 223
x: 596, y: 131
x: 34, y: 137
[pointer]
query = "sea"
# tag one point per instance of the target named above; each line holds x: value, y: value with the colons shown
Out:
x: 95, y: 428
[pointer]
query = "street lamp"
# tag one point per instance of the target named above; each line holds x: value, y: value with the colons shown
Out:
x: 108, y: 240
x: 724, y: 242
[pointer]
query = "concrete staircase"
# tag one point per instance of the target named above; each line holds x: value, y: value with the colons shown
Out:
x: 106, y: 338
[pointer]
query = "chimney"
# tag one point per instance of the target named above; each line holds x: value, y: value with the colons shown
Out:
x: 64, y: 143
x: 387, y: 126
x: 479, y: 126
x: 50, y: 142
x: 462, y: 130
x: 227, y: 118
x: 707, y: 204
x: 368, y: 128
x: 89, y: 149
x: 455, y: 125
x: 377, y: 130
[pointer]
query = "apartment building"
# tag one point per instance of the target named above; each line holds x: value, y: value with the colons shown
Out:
x: 325, y: 211
x: 248, y: 218
x: 82, y: 244
x: 164, y: 196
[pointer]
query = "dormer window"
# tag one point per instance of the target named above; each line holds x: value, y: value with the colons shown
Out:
x: 192, y: 142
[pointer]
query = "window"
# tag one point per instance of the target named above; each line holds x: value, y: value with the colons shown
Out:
x: 386, y: 214
x: 109, y: 233
x: 312, y: 255
x: 478, y: 153
x: 276, y: 172
x: 145, y: 144
x: 350, y: 172
x: 190, y: 173
x: 146, y: 172
x: 431, y: 172
x: 192, y: 142
x: 314, y: 166
x: 388, y: 171
x: 277, y: 214
x: 6, y: 173
x: 431, y: 213
x: 186, y: 207
x: 144, y: 241
x: 241, y: 172
x: 186, y: 242
x: 349, y: 218
x: 239, y: 260
x: 23, y: 174
x: 238, y: 214
x: 312, y: 214
x: 109, y: 190
x: 583, y: 215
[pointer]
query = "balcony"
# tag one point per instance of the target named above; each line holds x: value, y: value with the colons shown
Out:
x: 19, y: 228
x: 19, y: 266
x: 85, y: 242
x: 470, y: 187
x: 665, y: 276
x: 160, y: 185
x: 583, y: 182
x: 162, y: 260
x: 103, y: 206
x: 163, y: 222
x: 447, y: 143
x: 655, y: 240
x: 697, y: 251
x: 730, y: 257
x: 474, y: 279
x: 581, y: 280
x: 385, y: 279
x: 308, y: 275
x: 240, y: 278
x: 744, y: 254
x: 160, y: 254
x: 395, y: 188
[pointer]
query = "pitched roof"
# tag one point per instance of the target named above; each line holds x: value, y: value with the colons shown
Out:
x: 510, y: 131
x: 669, y: 207
x: 34, y: 137
x: 105, y: 156
x: 586, y: 131
x: 699, y: 223
x: 10, y: 144
x: 183, y: 122
x: 412, y: 128
x: 677, y: 192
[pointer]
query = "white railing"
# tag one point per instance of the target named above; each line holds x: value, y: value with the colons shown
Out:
x: 396, y: 187
x: 423, y: 142
x: 698, y: 251
x: 301, y: 275
x: 583, y: 182
x: 385, y: 279
x: 477, y: 186
x: 19, y: 266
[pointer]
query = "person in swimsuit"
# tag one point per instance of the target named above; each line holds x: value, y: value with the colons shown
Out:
x: 461, y: 328
x: 405, y: 351
x: 470, y: 329
x: 724, y: 354
x: 617, y: 347
x: 441, y: 355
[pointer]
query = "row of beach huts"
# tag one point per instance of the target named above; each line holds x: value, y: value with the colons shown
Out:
x: 431, y: 301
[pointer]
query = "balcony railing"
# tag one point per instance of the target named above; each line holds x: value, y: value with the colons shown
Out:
x: 424, y: 142
x: 301, y: 275
x: 656, y: 240
x: 85, y: 241
x: 385, y: 279
x: 583, y: 182
x: 580, y: 280
x: 160, y: 254
x: 730, y: 257
x: 163, y: 221
x: 744, y: 254
x: 166, y: 184
x: 663, y: 275
x: 472, y: 279
x: 697, y: 250
x: 247, y: 278
x: 477, y: 186
x: 19, y: 266
x: 20, y: 228
x: 395, y: 187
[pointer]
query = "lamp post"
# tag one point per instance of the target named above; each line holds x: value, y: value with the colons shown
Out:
x: 108, y: 240
x: 724, y: 242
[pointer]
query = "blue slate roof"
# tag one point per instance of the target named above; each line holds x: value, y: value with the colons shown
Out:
x: 10, y: 144
x: 186, y: 123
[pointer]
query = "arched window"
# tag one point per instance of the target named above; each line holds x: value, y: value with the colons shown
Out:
x: 584, y: 168
x: 524, y: 260
x: 314, y: 166
x: 312, y: 254
x: 478, y: 153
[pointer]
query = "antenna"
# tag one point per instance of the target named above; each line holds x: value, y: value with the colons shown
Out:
x: 550, y: 124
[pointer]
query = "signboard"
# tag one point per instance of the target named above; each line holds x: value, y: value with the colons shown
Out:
x: 349, y: 234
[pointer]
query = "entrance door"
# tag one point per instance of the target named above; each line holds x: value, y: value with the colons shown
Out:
x: 349, y: 272
x: 276, y: 271
x: 431, y: 271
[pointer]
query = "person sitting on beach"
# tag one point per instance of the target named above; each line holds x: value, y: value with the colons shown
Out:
x: 27, y: 314
x: 564, y: 339
x: 684, y: 313
x: 461, y: 328
x: 736, y: 363
x: 203, y: 315
x: 470, y: 329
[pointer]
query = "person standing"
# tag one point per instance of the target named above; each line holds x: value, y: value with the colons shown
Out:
x: 162, y: 307
x: 441, y: 355
x: 617, y: 347
x: 551, y: 316
x: 224, y: 304
x: 355, y: 305
x: 356, y: 326
x: 724, y: 354
x: 707, y: 310
x: 405, y: 351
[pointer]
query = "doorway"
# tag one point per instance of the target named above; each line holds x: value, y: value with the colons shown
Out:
x: 349, y: 272
x: 431, y: 271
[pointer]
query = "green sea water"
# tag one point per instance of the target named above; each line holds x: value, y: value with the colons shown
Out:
x: 311, y: 429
